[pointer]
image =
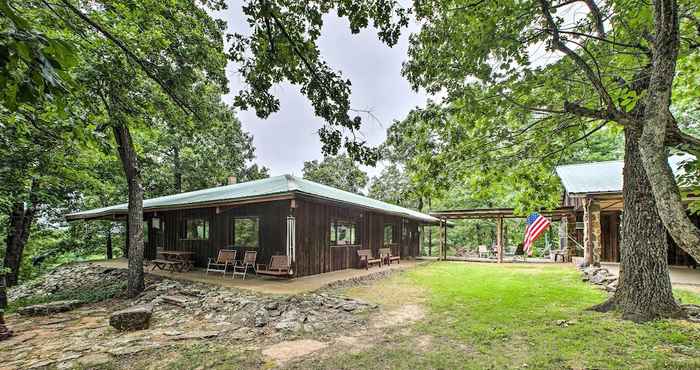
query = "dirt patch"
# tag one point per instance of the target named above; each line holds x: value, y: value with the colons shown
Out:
x: 285, y: 351
x: 406, y: 314
x: 424, y: 343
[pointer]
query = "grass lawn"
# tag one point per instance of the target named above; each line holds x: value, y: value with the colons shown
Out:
x: 508, y: 316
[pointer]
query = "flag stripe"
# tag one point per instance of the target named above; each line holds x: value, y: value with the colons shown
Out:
x: 536, y: 225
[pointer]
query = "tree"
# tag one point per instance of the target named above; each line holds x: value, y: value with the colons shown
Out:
x: 393, y: 186
x: 139, y: 62
x: 338, y: 171
x: 506, y: 110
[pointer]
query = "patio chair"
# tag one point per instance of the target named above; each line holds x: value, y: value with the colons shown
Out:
x: 387, y: 257
x: 278, y: 267
x: 484, y: 251
x: 366, y: 258
x: 224, y: 259
x: 241, y: 268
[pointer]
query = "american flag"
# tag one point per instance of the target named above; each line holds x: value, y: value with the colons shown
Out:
x: 536, y: 225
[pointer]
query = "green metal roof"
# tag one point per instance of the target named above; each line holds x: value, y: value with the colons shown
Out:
x: 277, y: 185
x: 603, y: 177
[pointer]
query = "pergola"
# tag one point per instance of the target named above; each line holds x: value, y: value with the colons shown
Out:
x: 564, y: 214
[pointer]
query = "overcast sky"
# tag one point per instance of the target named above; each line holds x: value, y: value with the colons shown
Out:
x: 287, y: 138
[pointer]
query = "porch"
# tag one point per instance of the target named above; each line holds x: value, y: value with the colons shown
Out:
x: 267, y: 285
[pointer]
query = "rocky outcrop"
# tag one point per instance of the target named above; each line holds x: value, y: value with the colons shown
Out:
x: 132, y: 318
x: 48, y: 308
x: 74, y: 277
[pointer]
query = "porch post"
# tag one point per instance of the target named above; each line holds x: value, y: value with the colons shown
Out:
x: 442, y: 246
x: 291, y: 243
x: 591, y: 232
x: 499, y: 239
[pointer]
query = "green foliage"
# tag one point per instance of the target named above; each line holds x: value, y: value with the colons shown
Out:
x: 394, y: 186
x: 282, y: 47
x: 339, y: 172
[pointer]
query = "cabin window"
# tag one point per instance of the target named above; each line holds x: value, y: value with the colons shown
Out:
x: 343, y: 233
x: 388, y: 234
x: 194, y: 229
x: 246, y: 232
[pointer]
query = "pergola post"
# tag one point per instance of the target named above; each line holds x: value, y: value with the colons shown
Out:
x: 499, y: 239
x: 444, y: 243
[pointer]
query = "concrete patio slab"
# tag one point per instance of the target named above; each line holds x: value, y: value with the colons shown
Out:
x: 264, y: 284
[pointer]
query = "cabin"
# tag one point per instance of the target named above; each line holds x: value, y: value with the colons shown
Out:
x: 594, y: 192
x: 319, y: 228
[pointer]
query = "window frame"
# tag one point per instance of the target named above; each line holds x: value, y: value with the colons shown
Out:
x: 233, y: 230
x: 333, y: 237
x: 184, y: 223
x: 391, y: 240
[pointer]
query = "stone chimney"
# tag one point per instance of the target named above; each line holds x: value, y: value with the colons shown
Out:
x: 232, y: 180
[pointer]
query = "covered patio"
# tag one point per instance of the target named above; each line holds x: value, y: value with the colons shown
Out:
x: 268, y: 285
x: 563, y: 214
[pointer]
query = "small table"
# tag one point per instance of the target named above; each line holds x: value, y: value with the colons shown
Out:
x: 174, y: 261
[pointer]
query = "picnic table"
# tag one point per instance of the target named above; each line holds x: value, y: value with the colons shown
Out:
x: 174, y: 261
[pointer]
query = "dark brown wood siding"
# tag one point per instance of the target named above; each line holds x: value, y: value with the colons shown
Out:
x: 272, y: 230
x: 610, y: 230
x: 314, y: 252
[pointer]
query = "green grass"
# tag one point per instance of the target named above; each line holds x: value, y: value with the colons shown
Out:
x: 505, y: 316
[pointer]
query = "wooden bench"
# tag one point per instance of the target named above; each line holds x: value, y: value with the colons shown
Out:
x: 167, y: 265
x: 387, y: 257
x: 366, y: 258
x: 278, y: 267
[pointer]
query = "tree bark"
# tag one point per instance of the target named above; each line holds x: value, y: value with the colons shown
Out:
x: 654, y: 153
x: 127, y: 154
x: 110, y: 252
x: 177, y: 169
x: 644, y: 286
x: 5, y: 332
x: 20, y: 223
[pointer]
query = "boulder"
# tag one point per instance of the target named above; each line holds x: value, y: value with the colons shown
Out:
x: 48, y: 308
x: 132, y: 318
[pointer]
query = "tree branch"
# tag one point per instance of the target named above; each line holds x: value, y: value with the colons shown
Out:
x: 561, y: 46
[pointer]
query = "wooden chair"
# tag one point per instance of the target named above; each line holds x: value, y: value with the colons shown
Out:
x: 366, y: 258
x: 249, y: 259
x: 393, y: 258
x: 224, y: 259
x: 278, y: 267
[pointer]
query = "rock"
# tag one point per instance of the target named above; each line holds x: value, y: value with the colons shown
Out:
x: 598, y: 278
x: 175, y: 300
x: 197, y: 334
x: 288, y: 325
x: 48, y: 308
x: 94, y: 360
x: 261, y: 318
x: 132, y: 318
x: 350, y: 306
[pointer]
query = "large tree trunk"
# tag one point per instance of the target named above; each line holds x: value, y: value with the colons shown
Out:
x: 20, y: 223
x: 5, y: 332
x: 657, y: 118
x: 644, y: 288
x: 110, y: 252
x: 127, y: 154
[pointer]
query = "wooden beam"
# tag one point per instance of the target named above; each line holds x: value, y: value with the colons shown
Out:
x: 499, y: 239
